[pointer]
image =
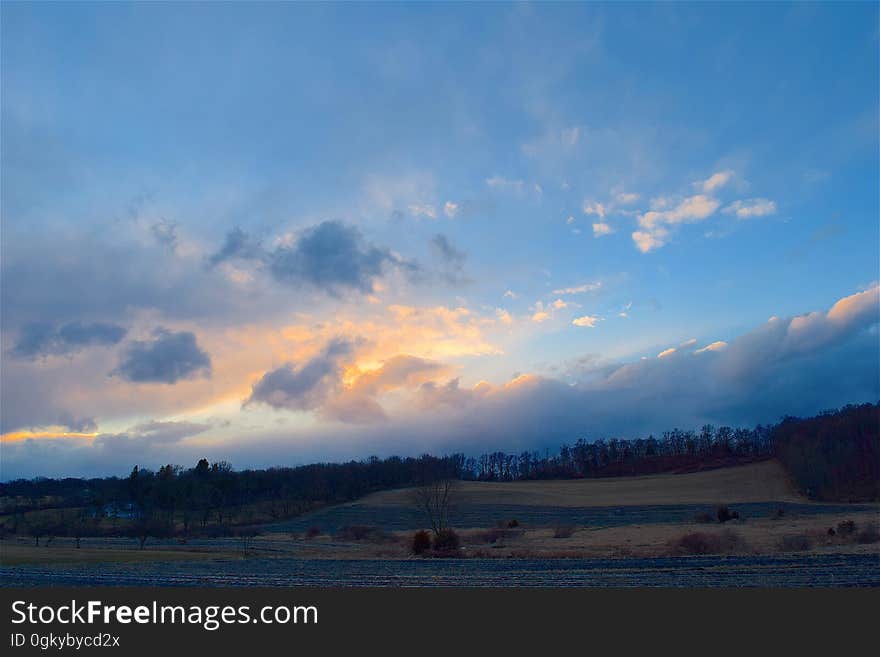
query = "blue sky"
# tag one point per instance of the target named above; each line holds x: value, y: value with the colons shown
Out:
x: 276, y: 232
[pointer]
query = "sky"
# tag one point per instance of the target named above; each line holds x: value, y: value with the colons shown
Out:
x: 282, y: 233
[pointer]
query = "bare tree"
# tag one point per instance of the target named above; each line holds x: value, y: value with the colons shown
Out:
x: 434, y: 500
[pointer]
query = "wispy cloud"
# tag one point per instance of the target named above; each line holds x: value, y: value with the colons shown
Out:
x: 715, y: 182
x: 754, y: 207
x: 578, y: 289
x: 600, y: 229
x: 655, y: 224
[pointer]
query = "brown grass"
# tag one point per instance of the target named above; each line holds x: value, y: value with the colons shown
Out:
x: 756, y: 482
x: 12, y: 554
x: 726, y: 542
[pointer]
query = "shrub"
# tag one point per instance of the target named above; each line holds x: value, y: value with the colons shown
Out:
x: 725, y: 514
x: 446, y: 541
x: 795, y: 543
x: 703, y: 518
x: 706, y: 543
x: 421, y: 542
x: 564, y: 531
x: 846, y: 528
x: 870, y: 534
x: 511, y: 524
x: 312, y: 532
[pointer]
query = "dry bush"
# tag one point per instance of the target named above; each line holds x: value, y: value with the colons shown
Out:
x: 706, y: 543
x: 446, y: 543
x: 564, y: 531
x: 869, y: 534
x: 846, y: 528
x: 421, y: 542
x: 724, y: 514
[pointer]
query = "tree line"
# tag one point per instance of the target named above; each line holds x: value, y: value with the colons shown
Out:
x: 832, y: 456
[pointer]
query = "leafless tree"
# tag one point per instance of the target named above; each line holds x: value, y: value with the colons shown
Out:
x: 434, y: 500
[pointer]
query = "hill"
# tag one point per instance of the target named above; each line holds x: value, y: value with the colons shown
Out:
x: 757, y: 482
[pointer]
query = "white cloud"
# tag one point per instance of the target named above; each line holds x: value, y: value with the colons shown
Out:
x: 625, y: 198
x: 601, y: 228
x: 660, y: 202
x: 666, y: 352
x: 505, y: 184
x: 510, y: 294
x: 451, y: 209
x: 503, y: 316
x: 423, y: 210
x: 579, y: 289
x: 570, y: 136
x: 595, y: 208
x: 553, y: 143
x: 690, y: 210
x: 754, y: 207
x: 653, y: 223
x: 649, y: 241
x: 715, y: 346
x: 715, y: 181
x: 569, y: 221
x: 588, y: 321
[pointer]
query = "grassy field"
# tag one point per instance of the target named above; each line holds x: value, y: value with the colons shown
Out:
x: 637, y: 519
x: 757, y: 482
x: 16, y: 553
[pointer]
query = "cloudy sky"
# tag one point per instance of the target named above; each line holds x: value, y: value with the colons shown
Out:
x: 279, y: 233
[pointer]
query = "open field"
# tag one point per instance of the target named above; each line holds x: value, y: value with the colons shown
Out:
x: 785, y: 570
x: 402, y: 518
x: 757, y: 482
x: 755, y: 491
x: 614, y: 532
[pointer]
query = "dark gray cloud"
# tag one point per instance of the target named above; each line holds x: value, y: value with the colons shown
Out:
x: 238, y: 244
x: 447, y: 252
x: 77, y: 424
x: 452, y: 259
x: 152, y: 433
x: 148, y: 445
x: 165, y: 233
x: 103, y: 275
x: 166, y: 358
x: 330, y: 256
x: 800, y: 366
x: 42, y: 339
x: 306, y: 387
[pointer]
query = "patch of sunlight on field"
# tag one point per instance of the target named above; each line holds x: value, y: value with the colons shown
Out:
x: 756, y: 482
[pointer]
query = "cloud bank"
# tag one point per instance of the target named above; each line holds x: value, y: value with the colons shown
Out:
x: 797, y: 365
